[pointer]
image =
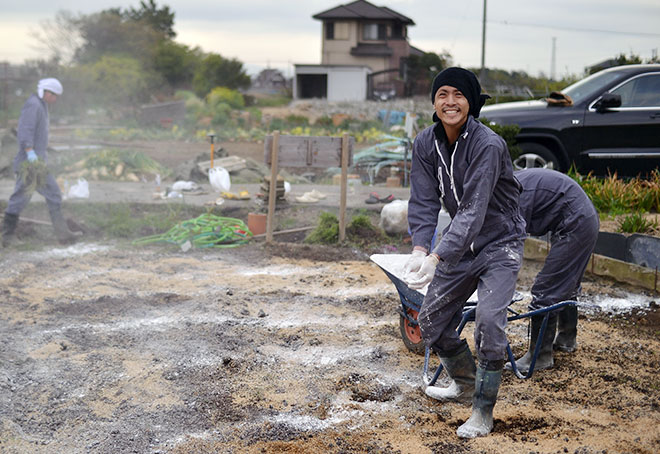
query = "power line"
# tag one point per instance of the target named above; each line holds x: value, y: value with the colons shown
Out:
x: 575, y: 29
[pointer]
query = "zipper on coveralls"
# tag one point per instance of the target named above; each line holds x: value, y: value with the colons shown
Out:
x: 450, y: 173
x: 447, y: 169
x: 465, y: 134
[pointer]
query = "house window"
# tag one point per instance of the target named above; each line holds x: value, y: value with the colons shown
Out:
x: 397, y: 30
x: 329, y: 30
x: 374, y: 31
x: 336, y: 30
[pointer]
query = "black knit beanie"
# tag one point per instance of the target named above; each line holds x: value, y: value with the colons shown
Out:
x: 466, y: 82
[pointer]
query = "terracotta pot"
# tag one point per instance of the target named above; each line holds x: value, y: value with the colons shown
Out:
x: 257, y: 223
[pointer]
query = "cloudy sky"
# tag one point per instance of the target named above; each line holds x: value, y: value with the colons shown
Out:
x: 279, y: 33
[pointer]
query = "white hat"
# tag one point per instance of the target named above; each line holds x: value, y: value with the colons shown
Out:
x: 50, y: 84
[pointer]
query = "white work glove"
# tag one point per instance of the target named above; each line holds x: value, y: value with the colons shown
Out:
x: 414, y: 262
x: 31, y: 156
x: 425, y: 274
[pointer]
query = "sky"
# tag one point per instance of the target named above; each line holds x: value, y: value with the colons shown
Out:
x: 520, y: 34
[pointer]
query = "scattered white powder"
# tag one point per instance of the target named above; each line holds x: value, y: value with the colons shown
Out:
x: 74, y: 250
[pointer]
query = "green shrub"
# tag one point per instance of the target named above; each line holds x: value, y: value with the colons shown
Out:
x: 615, y: 196
x: 194, y: 105
x: 272, y: 101
x: 221, y: 114
x: 327, y: 232
x: 224, y: 95
x: 297, y: 120
x: 325, y: 121
x: 361, y: 232
x: 636, y: 223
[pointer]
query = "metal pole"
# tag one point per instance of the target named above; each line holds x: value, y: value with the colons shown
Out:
x: 553, y: 59
x: 5, y: 95
x: 483, y: 42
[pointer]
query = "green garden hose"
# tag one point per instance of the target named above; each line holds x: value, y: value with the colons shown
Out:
x: 204, y: 231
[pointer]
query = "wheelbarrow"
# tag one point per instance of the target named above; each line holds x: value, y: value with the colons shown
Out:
x: 411, y: 302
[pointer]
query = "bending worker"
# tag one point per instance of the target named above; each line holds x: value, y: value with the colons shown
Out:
x: 33, y: 127
x: 462, y: 164
x: 553, y: 202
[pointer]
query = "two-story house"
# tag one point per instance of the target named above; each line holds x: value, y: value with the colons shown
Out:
x: 364, y: 48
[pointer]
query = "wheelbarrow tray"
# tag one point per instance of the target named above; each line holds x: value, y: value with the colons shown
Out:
x: 393, y: 266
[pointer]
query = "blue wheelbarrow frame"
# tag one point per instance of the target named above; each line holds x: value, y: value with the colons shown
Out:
x: 412, y: 299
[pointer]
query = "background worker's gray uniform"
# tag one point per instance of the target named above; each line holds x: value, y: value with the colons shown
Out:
x: 33, y: 133
x: 481, y: 249
x: 553, y: 202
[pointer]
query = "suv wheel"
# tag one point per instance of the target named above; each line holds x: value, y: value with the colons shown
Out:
x: 535, y: 155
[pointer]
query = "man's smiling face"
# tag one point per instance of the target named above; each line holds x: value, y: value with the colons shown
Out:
x: 451, y: 106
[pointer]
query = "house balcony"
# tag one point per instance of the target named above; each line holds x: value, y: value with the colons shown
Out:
x: 371, y: 50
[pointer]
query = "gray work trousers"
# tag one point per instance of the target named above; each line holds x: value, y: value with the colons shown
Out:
x: 571, y: 246
x: 493, y: 274
x: 20, y: 198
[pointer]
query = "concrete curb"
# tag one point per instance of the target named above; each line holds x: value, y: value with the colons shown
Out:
x: 603, y: 266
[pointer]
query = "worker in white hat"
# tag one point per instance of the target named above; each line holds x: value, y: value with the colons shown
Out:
x: 33, y: 126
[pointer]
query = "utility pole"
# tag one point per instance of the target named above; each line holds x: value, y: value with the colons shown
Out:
x: 553, y: 59
x: 5, y: 95
x: 483, y: 44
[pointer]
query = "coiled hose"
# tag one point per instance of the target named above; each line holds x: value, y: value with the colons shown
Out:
x: 204, y: 231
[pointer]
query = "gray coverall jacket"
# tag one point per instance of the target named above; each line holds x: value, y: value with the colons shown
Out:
x: 553, y: 202
x: 481, y: 249
x: 33, y: 127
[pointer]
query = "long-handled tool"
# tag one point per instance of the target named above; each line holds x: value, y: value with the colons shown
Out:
x: 212, y: 137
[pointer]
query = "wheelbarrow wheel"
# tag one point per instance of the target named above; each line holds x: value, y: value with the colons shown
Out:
x: 410, y: 333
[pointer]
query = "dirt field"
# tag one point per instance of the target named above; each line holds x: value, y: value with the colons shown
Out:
x: 280, y: 349
x: 284, y: 349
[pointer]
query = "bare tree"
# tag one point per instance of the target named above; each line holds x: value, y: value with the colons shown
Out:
x: 58, y: 38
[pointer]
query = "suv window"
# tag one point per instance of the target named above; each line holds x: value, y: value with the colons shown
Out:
x: 586, y: 87
x: 642, y: 91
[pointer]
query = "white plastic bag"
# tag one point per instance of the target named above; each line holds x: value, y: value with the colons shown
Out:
x: 80, y: 190
x: 394, y: 217
x: 219, y: 179
x: 182, y: 186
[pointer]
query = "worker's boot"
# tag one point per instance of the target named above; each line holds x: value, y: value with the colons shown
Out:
x: 461, y: 370
x: 9, y: 224
x: 62, y: 232
x: 567, y: 329
x: 544, y: 360
x: 487, y: 385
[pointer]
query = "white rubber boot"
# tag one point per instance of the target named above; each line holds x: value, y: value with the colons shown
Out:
x: 461, y: 369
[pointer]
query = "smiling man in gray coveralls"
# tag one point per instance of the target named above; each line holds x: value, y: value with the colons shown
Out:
x: 33, y: 125
x: 462, y: 164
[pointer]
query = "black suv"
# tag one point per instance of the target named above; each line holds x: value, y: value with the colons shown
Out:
x: 609, y: 121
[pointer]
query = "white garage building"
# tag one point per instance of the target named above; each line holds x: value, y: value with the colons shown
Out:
x: 331, y: 82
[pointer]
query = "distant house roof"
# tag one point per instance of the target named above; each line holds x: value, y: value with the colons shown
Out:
x: 416, y: 51
x: 364, y: 10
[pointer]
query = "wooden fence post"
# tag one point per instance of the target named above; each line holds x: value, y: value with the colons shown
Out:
x: 342, y: 194
x: 272, y: 191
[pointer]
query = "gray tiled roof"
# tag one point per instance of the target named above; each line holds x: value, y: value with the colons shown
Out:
x: 362, y: 9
